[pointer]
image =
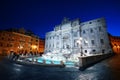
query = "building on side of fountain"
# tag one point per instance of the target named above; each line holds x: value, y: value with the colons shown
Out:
x: 71, y: 38
x: 20, y: 41
x: 115, y: 43
x: 41, y: 45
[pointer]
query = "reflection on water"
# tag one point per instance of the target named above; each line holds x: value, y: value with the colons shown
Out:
x: 105, y: 70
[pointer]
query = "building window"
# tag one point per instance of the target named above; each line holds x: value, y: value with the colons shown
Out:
x: 90, y: 22
x: 101, y: 41
x: 63, y: 47
x: 1, y: 44
x: 7, y: 45
x: 2, y: 38
x: 92, y: 41
x: 85, y: 51
x: 83, y: 31
x: 53, y: 45
x: 94, y: 51
x: 100, y: 28
x: 98, y: 20
x: 67, y: 46
x: 57, y: 45
x: 103, y: 51
x: 50, y: 46
x: 51, y: 37
x: 75, y: 34
x: 9, y: 35
x: 8, y: 39
x: 57, y: 37
x: 12, y: 39
x: 36, y: 40
x: 91, y: 30
x: 10, y: 45
x: 77, y: 44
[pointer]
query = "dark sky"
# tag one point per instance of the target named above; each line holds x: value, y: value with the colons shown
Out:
x: 42, y: 15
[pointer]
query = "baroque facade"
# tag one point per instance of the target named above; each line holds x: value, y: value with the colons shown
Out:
x: 75, y: 37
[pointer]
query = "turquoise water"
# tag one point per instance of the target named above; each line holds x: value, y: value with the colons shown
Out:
x: 41, y: 60
x: 56, y: 62
x: 48, y: 61
x: 69, y: 64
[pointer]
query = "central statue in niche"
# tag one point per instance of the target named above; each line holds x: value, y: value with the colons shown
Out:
x: 66, y: 44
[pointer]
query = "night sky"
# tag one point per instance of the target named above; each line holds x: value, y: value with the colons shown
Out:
x: 41, y: 16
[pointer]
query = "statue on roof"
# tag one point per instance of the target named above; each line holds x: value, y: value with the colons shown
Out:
x: 65, y: 20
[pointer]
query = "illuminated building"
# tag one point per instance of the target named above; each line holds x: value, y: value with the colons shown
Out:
x: 19, y: 41
x: 75, y: 37
x: 115, y: 43
x: 41, y: 45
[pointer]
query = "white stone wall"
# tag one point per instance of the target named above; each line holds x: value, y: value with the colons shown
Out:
x: 95, y: 30
x: 66, y: 38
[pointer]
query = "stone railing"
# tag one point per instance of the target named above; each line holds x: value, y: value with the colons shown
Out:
x: 87, y: 61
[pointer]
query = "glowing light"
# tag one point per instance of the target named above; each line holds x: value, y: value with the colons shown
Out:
x: 80, y: 38
x: 86, y: 41
x: 79, y: 42
x: 34, y: 47
x: 20, y: 47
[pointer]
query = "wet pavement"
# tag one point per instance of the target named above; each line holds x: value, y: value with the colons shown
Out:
x: 108, y: 69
